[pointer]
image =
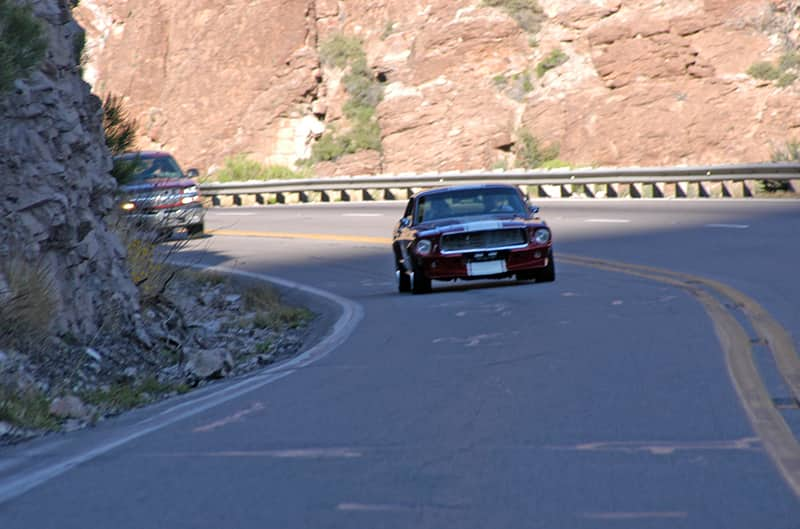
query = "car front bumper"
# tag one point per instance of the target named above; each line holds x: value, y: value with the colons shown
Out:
x: 170, y: 218
x: 481, y: 265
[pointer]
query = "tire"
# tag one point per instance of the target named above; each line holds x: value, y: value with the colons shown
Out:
x: 194, y: 230
x: 548, y: 273
x: 403, y: 281
x: 525, y: 275
x: 420, y: 283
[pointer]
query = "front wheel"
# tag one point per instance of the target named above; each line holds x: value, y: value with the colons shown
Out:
x: 403, y: 281
x: 194, y: 230
x: 548, y: 273
x: 420, y: 283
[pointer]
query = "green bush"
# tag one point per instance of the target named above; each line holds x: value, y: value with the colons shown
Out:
x: 786, y: 79
x: 364, y: 136
x: 789, y: 61
x: 527, y: 84
x: 358, y: 112
x: 361, y: 86
x: 328, y: 147
x: 500, y: 81
x: 79, y: 49
x: 270, y: 312
x: 764, y: 70
x: 26, y: 409
x: 388, y: 29
x: 340, y: 50
x: 527, y: 13
x: 785, y: 72
x: 515, y: 86
x: 120, y: 134
x: 22, y: 43
x: 364, y: 93
x: 530, y: 153
x: 790, y: 152
x: 127, y: 395
x: 119, y: 127
x: 240, y: 168
x: 553, y: 60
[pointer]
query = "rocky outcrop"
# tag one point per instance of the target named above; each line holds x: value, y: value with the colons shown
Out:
x: 57, y: 190
x: 644, y: 83
x: 205, y: 79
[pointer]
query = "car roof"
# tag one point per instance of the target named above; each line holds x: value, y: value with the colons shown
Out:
x: 142, y: 155
x: 466, y: 187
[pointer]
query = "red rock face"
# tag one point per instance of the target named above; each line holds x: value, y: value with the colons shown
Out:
x: 205, y: 79
x: 644, y: 83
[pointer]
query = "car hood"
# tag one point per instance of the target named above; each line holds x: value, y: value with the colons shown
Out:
x: 158, y: 183
x: 460, y: 225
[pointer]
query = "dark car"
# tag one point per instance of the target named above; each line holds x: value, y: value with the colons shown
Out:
x: 471, y: 232
x: 158, y: 194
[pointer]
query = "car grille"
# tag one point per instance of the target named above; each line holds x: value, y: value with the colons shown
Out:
x: 483, y: 240
x: 157, y: 199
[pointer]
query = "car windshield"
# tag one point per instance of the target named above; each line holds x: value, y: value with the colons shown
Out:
x: 161, y: 167
x: 468, y: 203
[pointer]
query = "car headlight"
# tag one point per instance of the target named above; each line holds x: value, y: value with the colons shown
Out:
x: 128, y: 206
x: 424, y: 247
x: 541, y: 236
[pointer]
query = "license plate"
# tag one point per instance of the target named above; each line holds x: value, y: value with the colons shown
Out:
x: 486, y: 268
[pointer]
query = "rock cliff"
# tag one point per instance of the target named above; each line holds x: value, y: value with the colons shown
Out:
x: 57, y: 191
x: 612, y: 82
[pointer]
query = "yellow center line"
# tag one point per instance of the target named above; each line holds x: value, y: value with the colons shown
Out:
x: 307, y: 236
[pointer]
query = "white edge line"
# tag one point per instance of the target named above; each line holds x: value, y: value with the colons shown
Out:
x: 728, y: 226
x: 608, y: 221
x: 362, y: 215
x: 352, y: 313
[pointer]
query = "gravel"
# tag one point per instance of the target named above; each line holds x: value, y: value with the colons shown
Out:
x: 197, y: 322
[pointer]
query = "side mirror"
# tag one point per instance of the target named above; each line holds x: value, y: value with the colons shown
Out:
x: 192, y: 173
x: 533, y: 209
x: 405, y: 222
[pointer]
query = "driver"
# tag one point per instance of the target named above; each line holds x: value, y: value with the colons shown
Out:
x: 437, y: 209
x: 498, y: 204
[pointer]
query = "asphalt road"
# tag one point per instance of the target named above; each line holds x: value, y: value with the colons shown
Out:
x: 600, y: 400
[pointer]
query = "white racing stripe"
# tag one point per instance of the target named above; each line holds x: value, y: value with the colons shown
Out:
x: 482, y: 225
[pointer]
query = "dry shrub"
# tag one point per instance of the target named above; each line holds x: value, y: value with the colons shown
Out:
x: 26, y: 301
x: 271, y: 312
x: 147, y: 258
x: 26, y: 408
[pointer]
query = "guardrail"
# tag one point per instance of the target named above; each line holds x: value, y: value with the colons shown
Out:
x: 716, y: 181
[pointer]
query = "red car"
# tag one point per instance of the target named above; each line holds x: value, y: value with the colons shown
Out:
x: 159, y: 194
x: 471, y: 232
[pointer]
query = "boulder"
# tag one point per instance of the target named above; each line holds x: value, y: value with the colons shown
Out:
x: 69, y: 407
x: 206, y: 364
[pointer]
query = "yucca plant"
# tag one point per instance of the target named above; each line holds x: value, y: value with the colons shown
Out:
x: 22, y: 43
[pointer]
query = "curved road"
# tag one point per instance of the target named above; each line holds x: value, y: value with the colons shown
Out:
x: 600, y: 400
